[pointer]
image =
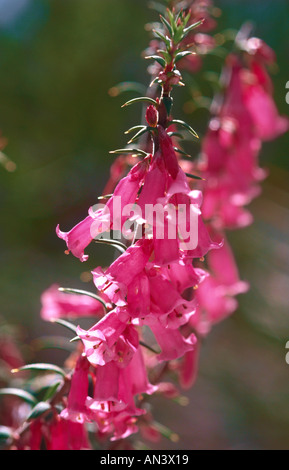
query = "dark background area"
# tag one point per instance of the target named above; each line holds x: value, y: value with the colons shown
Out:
x: 58, y: 59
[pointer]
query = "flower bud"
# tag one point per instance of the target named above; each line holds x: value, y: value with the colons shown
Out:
x: 152, y: 116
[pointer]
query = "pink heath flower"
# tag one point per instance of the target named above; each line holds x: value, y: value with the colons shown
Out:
x: 56, y: 304
x: 76, y: 410
x: 263, y: 110
x: 99, y: 220
x: 115, y: 280
x: 217, y: 294
x: 111, y: 339
x: 64, y: 435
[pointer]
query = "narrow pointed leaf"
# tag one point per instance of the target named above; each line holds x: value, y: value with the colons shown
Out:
x: 80, y: 292
x: 181, y: 55
x: 148, y: 347
x: 41, y: 367
x: 135, y: 128
x: 132, y: 151
x: 172, y: 19
x: 115, y: 243
x: 166, y: 24
x: 162, y: 37
x: 138, y: 134
x: 76, y: 338
x: 181, y: 152
x: 191, y: 27
x: 105, y: 196
x: 50, y: 392
x: 195, y: 177
x: 158, y: 59
x: 145, y: 99
x: 186, y: 19
x: 38, y: 410
x: 17, y: 392
x: 186, y: 126
x: 176, y: 134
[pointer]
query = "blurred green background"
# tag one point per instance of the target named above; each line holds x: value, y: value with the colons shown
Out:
x: 58, y: 59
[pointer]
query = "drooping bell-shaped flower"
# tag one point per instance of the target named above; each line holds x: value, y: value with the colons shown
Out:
x: 111, y: 339
x: 106, y: 217
x: 115, y: 280
x: 76, y: 410
x: 56, y: 304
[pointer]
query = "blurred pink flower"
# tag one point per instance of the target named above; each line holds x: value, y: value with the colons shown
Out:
x: 56, y: 304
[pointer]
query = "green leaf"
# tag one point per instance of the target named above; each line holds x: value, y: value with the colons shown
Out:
x: 139, y: 134
x: 166, y: 24
x: 148, y: 347
x: 50, y: 392
x: 176, y: 134
x: 135, y: 128
x: 5, y: 434
x: 186, y: 19
x: 65, y: 323
x: 158, y: 59
x: 178, y: 34
x: 38, y: 410
x: 76, y: 338
x: 195, y: 177
x: 191, y: 27
x: 115, y: 243
x: 145, y: 99
x: 164, y: 38
x: 17, y: 392
x: 186, y: 126
x: 181, y: 55
x: 168, y: 102
x: 105, y: 196
x: 181, y: 152
x: 41, y: 367
x: 133, y: 151
x: 172, y: 19
x: 68, y: 290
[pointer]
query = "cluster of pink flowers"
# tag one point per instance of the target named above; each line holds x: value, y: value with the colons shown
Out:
x: 243, y: 117
x: 152, y: 284
x: 155, y: 283
x: 157, y: 300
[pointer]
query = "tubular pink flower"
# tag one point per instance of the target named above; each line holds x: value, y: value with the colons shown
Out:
x: 111, y: 339
x: 136, y: 376
x: 172, y: 343
x: 78, y: 238
x: 262, y: 108
x: 155, y: 183
x: 65, y: 435
x: 76, y: 409
x: 138, y: 296
x: 115, y: 280
x: 188, y: 367
x: 56, y: 304
x: 216, y: 295
x: 168, y: 153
